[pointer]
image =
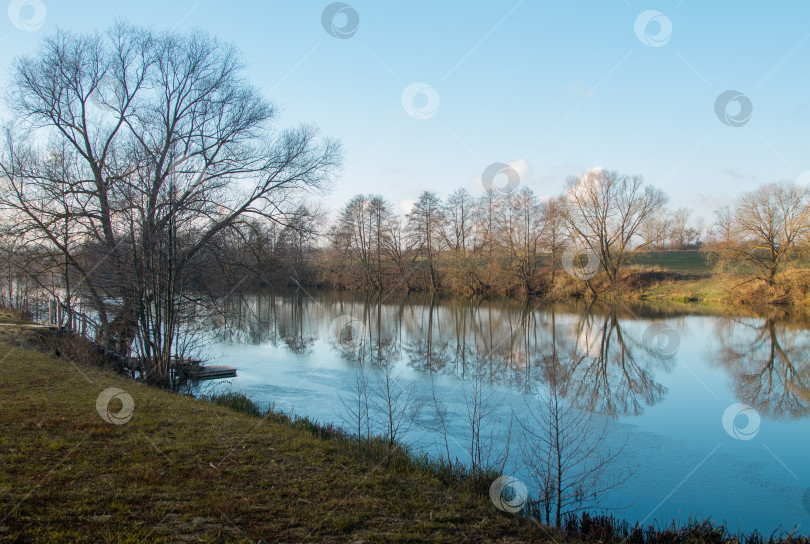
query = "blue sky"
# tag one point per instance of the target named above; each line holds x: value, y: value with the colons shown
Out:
x: 553, y: 88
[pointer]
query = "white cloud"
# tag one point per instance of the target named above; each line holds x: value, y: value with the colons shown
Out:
x: 406, y: 205
x: 522, y: 167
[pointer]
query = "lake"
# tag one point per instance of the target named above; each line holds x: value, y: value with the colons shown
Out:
x: 708, y: 412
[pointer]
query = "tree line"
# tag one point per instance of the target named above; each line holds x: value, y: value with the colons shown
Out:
x: 144, y: 178
x: 516, y: 244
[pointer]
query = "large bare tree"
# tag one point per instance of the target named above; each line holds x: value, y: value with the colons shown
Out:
x: 605, y: 211
x: 163, y: 147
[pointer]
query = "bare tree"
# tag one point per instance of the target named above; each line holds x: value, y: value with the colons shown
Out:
x: 296, y: 241
x: 655, y: 231
x: 554, y: 236
x: 393, y: 397
x: 481, y: 405
x: 458, y: 212
x: 770, y: 223
x: 605, y: 211
x: 426, y: 223
x: 680, y: 234
x: 564, y: 449
x: 459, y: 239
x: 520, y: 234
x: 399, y: 250
x: 353, y: 234
x: 168, y: 147
x: 357, y: 411
x: 723, y: 228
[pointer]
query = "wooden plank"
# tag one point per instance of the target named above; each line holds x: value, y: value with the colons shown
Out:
x: 212, y: 372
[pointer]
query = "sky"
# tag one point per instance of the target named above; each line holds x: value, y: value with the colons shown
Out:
x: 704, y: 100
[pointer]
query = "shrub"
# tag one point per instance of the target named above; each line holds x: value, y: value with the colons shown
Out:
x: 238, y: 402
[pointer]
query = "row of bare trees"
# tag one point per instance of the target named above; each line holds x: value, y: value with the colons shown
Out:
x: 515, y: 243
x: 493, y: 243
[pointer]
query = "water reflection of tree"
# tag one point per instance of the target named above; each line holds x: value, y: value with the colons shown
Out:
x: 428, y: 347
x: 291, y: 328
x: 767, y: 362
x: 607, y: 371
x: 603, y: 368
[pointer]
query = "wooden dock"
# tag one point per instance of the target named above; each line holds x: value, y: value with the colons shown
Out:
x: 212, y: 372
x: 194, y: 369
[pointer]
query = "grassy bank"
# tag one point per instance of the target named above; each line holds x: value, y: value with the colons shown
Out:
x: 186, y: 470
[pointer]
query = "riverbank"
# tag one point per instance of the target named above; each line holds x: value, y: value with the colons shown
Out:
x: 186, y: 470
x: 680, y: 277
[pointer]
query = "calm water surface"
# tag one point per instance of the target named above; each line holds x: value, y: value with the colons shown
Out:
x: 661, y: 381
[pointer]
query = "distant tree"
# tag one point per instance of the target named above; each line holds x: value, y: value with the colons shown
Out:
x: 426, y: 224
x: 554, y: 236
x: 486, y: 223
x: 723, y: 227
x: 361, y: 231
x: 680, y: 234
x: 655, y: 231
x: 458, y: 212
x: 459, y: 239
x: 770, y: 223
x: 489, y: 274
x: 398, y: 249
x: 381, y: 214
x: 605, y: 211
x: 521, y: 231
x: 296, y: 241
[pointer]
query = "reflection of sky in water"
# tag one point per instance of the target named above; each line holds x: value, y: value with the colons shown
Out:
x: 669, y: 412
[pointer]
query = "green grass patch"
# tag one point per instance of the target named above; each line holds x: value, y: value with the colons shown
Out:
x: 688, y: 261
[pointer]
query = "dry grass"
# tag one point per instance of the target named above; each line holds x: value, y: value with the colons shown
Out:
x: 186, y: 470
